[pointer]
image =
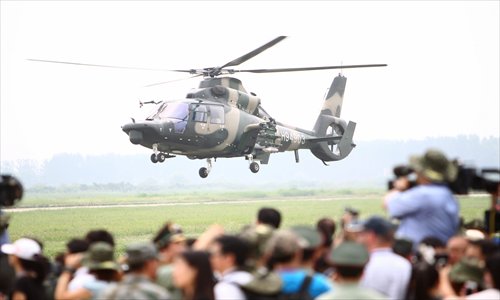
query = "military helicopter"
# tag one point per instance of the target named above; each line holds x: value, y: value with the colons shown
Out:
x: 220, y: 119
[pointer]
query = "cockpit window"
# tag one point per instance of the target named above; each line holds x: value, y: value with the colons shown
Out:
x: 205, y: 113
x: 216, y: 114
x: 172, y: 110
x: 200, y: 113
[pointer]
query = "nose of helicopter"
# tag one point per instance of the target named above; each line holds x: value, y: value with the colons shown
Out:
x: 135, y: 131
x: 147, y: 131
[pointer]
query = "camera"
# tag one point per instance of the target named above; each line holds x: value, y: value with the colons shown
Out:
x: 467, y: 179
x: 11, y: 190
x: 402, y: 171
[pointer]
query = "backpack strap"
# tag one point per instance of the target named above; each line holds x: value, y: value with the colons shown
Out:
x: 305, y: 284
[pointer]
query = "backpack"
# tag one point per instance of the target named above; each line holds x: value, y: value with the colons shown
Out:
x: 267, y: 285
x: 302, y: 293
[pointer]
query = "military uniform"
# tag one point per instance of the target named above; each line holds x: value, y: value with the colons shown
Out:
x: 134, y: 286
x: 350, y: 254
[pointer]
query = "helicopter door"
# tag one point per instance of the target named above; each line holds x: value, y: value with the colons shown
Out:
x: 209, y: 120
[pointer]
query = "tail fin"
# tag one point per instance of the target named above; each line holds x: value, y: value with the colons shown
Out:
x: 329, y: 124
x: 333, y: 101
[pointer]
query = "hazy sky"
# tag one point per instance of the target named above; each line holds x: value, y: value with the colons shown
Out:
x: 442, y: 79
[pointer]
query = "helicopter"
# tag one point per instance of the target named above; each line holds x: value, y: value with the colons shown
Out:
x: 220, y: 119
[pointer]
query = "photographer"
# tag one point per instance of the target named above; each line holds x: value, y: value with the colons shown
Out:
x: 429, y: 208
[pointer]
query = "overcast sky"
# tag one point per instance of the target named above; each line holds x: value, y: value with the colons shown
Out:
x: 442, y: 79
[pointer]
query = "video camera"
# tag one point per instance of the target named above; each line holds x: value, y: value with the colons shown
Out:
x: 467, y: 179
x: 11, y: 190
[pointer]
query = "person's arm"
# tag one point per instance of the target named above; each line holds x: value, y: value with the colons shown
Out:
x: 403, y: 204
x: 17, y: 295
x: 71, y: 262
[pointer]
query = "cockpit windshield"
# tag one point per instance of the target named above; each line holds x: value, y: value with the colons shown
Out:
x: 171, y: 110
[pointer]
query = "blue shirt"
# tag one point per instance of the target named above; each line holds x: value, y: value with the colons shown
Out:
x: 292, y: 281
x: 4, y: 237
x: 425, y: 211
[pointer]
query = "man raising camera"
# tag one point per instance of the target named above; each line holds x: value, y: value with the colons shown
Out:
x: 429, y: 209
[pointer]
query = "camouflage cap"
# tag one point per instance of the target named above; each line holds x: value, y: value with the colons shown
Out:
x: 467, y: 269
x: 349, y: 254
x: 309, y: 237
x: 140, y: 252
x: 283, y: 243
x: 434, y: 165
x: 257, y: 236
x: 100, y: 256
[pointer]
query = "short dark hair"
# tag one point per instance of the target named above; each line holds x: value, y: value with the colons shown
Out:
x: 269, y: 216
x: 77, y: 245
x: 350, y: 272
x: 100, y: 235
x: 230, y: 244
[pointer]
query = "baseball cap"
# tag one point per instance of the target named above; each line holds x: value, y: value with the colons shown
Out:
x: 283, y: 243
x: 137, y: 253
x: 379, y: 225
x: 100, y: 257
x: 23, y: 248
x: 308, y: 236
x: 349, y: 254
x: 467, y: 269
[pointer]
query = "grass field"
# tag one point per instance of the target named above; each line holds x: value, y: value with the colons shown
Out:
x: 193, y: 211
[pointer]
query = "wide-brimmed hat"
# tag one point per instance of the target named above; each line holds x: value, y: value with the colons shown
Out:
x: 434, y: 165
x: 23, y: 248
x: 100, y: 256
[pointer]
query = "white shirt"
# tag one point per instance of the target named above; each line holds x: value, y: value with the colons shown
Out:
x: 387, y: 273
x: 227, y: 287
x: 81, y: 277
x: 488, y: 294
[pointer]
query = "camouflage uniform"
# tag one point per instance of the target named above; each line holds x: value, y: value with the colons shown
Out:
x: 134, y: 286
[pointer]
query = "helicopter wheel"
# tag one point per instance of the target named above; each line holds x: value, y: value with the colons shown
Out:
x: 161, y: 157
x: 154, y: 158
x: 203, y: 172
x: 254, y: 167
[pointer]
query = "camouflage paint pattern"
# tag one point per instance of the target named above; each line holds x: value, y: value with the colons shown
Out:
x: 245, y: 128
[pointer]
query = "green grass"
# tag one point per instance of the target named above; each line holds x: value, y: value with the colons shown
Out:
x: 194, y: 212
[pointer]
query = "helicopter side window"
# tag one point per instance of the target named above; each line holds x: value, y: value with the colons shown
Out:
x: 216, y: 114
x: 200, y: 113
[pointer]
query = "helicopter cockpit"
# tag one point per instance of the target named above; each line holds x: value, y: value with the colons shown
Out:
x: 180, y: 113
x: 176, y: 112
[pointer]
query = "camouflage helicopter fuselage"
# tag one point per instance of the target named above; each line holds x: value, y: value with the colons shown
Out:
x: 220, y: 119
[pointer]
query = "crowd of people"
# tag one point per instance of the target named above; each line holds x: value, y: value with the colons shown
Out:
x: 419, y: 251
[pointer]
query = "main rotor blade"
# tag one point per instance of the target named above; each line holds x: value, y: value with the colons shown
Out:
x: 174, y: 80
x: 253, y: 53
x: 105, y: 66
x: 309, y: 68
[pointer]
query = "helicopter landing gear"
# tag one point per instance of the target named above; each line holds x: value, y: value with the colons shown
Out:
x: 205, y: 171
x: 159, y: 158
x: 254, y: 166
